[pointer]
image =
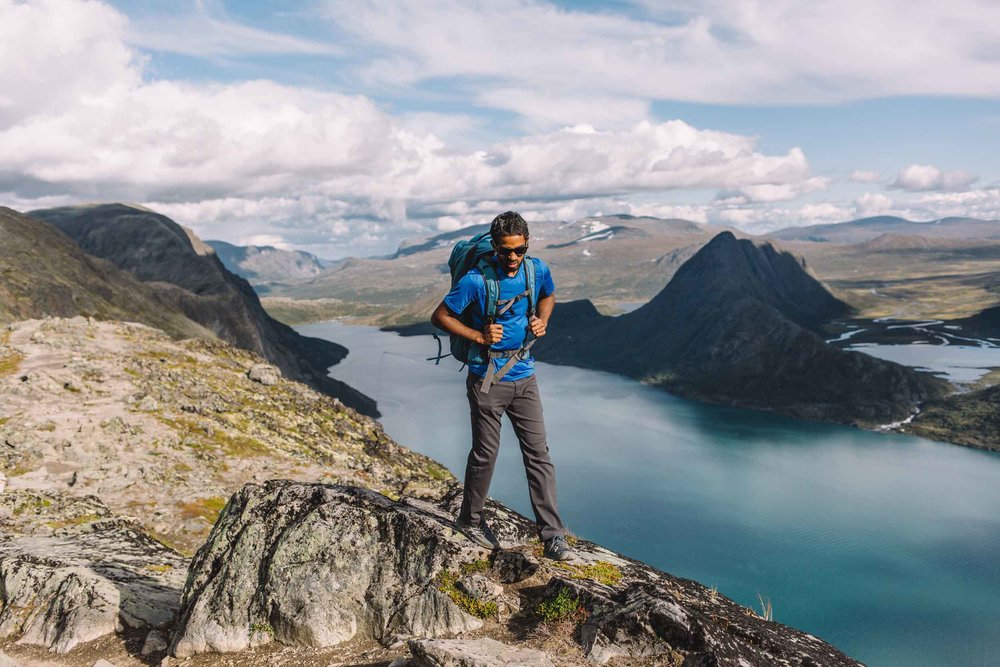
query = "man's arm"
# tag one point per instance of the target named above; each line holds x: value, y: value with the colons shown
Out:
x: 443, y: 318
x: 540, y: 322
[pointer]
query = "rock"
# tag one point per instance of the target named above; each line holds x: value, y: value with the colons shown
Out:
x: 103, y: 663
x: 98, y: 574
x: 55, y: 606
x: 513, y: 566
x: 473, y: 653
x: 148, y: 404
x: 155, y: 643
x: 6, y: 660
x: 479, y: 587
x: 3, y: 482
x: 264, y: 373
x: 316, y: 565
x: 398, y: 662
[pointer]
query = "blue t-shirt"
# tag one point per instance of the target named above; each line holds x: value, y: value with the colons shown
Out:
x: 471, y: 289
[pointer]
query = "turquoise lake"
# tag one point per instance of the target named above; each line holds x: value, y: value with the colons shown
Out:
x: 887, y: 546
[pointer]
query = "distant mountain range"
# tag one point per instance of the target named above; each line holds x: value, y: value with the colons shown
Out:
x: 866, y: 229
x: 189, y: 279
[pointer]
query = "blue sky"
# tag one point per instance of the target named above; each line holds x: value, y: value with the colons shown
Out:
x: 343, y: 127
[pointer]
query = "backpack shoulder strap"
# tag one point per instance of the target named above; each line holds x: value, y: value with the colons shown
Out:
x: 529, y: 283
x: 492, y: 283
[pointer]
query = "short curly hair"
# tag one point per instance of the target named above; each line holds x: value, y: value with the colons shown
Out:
x: 508, y: 224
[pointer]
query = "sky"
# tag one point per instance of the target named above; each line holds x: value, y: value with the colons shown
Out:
x: 343, y: 127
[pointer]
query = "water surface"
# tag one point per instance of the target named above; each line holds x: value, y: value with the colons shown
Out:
x: 887, y: 546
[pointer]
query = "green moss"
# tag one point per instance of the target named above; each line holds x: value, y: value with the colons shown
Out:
x: 437, y: 472
x: 480, y: 565
x: 601, y: 572
x: 73, y: 521
x: 10, y: 363
x: 446, y: 584
x: 560, y: 607
x: 160, y: 568
x: 206, y: 508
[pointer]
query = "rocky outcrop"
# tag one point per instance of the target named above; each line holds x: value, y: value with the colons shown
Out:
x: 317, y: 565
x: 736, y: 326
x: 187, y: 274
x: 122, y: 412
x: 95, y: 573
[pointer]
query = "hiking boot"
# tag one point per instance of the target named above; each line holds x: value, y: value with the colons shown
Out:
x: 557, y: 549
x: 481, y: 534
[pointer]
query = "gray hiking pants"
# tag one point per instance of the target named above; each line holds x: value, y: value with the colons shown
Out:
x: 523, y: 405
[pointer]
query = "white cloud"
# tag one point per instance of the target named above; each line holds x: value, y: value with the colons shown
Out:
x: 200, y: 34
x: 272, y: 240
x: 872, y: 204
x: 253, y: 156
x: 722, y: 52
x: 926, y: 177
x: 984, y: 204
x: 864, y: 176
x: 57, y: 52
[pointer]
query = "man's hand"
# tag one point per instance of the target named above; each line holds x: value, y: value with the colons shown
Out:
x: 538, y: 326
x: 492, y: 334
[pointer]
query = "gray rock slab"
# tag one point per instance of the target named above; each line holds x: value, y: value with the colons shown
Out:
x: 473, y: 653
x: 86, y: 581
x: 316, y: 565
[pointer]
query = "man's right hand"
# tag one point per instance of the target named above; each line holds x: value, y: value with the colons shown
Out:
x: 492, y: 334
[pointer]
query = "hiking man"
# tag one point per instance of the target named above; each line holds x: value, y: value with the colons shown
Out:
x: 505, y: 383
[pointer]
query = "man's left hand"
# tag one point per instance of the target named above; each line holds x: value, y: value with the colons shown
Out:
x: 538, y: 326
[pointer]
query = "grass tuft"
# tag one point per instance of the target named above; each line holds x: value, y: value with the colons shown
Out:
x: 446, y: 584
x: 558, y: 608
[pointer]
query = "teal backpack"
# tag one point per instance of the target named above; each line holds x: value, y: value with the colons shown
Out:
x: 477, y: 253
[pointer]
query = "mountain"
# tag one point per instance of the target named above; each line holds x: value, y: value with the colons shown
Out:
x: 737, y: 325
x: 866, y: 229
x: 187, y: 274
x: 44, y: 273
x: 615, y: 261
x: 263, y: 265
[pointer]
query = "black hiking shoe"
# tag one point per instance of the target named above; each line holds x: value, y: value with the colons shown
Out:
x: 557, y: 549
x: 481, y: 534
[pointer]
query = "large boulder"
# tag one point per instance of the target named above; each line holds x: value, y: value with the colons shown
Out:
x: 316, y: 565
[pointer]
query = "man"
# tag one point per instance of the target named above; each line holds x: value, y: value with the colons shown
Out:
x: 515, y: 393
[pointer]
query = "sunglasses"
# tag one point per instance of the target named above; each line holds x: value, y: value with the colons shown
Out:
x: 507, y: 252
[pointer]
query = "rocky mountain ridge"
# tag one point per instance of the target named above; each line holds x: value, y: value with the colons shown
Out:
x: 186, y: 274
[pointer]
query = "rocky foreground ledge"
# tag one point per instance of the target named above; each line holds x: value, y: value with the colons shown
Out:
x: 314, y: 565
x: 300, y: 569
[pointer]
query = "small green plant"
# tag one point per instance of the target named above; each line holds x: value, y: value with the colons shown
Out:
x: 446, y: 584
x: 481, y: 565
x: 261, y: 628
x: 558, y: 608
x: 438, y: 473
